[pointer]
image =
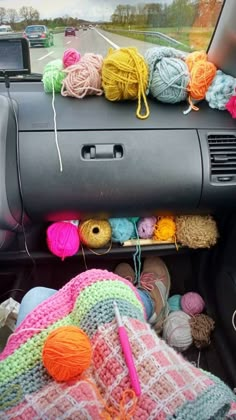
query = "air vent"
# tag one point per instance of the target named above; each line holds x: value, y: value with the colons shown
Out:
x: 223, y: 157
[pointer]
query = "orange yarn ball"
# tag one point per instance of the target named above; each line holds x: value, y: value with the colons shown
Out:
x: 67, y: 353
x: 194, y: 58
x: 202, y: 73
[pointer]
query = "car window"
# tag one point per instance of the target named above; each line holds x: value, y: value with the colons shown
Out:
x: 35, y: 28
x: 100, y: 24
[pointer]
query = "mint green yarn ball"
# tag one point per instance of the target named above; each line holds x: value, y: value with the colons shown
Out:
x: 53, y: 76
x: 174, y: 303
x: 134, y: 219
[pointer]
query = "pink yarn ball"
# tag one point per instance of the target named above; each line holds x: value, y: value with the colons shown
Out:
x: 192, y: 303
x: 146, y: 227
x: 70, y: 57
x: 63, y: 239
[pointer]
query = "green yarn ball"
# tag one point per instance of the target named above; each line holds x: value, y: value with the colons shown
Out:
x: 174, y: 303
x: 53, y: 76
x: 133, y: 219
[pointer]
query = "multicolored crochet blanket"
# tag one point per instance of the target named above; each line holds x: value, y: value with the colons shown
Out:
x: 172, y: 388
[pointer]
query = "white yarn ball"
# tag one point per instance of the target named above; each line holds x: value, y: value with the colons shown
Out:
x: 177, y: 331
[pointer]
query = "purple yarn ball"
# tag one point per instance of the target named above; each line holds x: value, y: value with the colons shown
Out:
x: 146, y: 227
x: 192, y: 303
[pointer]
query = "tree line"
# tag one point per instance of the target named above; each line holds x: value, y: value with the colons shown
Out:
x: 177, y: 14
x: 27, y: 15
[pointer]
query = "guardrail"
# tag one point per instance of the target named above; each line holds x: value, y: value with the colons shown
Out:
x: 152, y: 33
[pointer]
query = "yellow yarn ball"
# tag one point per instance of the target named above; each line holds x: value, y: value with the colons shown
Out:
x: 95, y: 233
x: 67, y: 352
x: 125, y: 76
x: 165, y: 229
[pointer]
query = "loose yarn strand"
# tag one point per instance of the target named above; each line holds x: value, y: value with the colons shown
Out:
x: 55, y: 126
x: 141, y: 93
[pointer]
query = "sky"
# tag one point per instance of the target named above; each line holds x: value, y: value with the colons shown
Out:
x: 84, y: 9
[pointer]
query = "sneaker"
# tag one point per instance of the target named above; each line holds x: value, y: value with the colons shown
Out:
x: 125, y: 271
x: 155, y: 279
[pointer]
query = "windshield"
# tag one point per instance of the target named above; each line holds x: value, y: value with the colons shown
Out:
x: 34, y: 29
x: 101, y: 24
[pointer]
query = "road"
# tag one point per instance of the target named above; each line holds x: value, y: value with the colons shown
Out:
x: 93, y: 40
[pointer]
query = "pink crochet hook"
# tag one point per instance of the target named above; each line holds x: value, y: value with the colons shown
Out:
x: 124, y: 341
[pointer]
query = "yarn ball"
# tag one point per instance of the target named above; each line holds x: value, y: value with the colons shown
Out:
x: 67, y: 352
x: 201, y: 328
x: 133, y: 219
x: 174, y: 303
x: 63, y: 239
x: 196, y: 231
x: 70, y: 57
x: 165, y: 229
x: 95, y: 233
x: 202, y: 73
x: 177, y: 331
x: 146, y: 227
x: 192, y: 303
x: 231, y: 106
x: 53, y: 76
x: 220, y: 91
x: 194, y: 58
x: 84, y: 78
x: 168, y: 74
x: 125, y: 76
x: 122, y: 229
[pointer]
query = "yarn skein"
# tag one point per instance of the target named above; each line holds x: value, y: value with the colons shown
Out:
x: 202, y: 73
x: 122, y: 229
x: 146, y: 227
x: 168, y: 74
x: 174, y: 303
x: 192, y: 303
x: 220, y: 91
x: 67, y: 353
x: 53, y: 76
x: 177, y: 331
x: 165, y: 229
x: 84, y: 78
x: 95, y: 233
x: 196, y: 231
x: 63, y: 239
x: 201, y: 328
x: 70, y: 57
x: 125, y: 77
x: 231, y: 106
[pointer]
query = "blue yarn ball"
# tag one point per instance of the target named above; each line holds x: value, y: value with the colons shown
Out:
x: 122, y: 229
x: 174, y: 303
x: 220, y: 90
x: 168, y: 74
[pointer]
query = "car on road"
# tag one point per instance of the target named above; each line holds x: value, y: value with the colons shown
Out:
x: 39, y: 35
x: 5, y: 29
x: 70, y: 31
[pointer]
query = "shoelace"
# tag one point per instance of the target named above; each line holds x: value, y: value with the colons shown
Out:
x: 148, y: 280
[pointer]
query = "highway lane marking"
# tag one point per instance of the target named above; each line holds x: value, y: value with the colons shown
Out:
x: 68, y: 42
x: 108, y: 40
x: 44, y: 56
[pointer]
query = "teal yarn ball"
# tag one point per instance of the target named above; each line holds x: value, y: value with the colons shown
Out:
x: 174, y: 303
x: 220, y: 90
x: 168, y: 74
x: 53, y: 76
x: 134, y: 219
x: 122, y: 229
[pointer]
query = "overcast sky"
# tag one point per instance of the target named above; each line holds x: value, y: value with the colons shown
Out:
x: 84, y: 9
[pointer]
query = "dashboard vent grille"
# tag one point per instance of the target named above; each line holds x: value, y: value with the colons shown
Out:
x: 222, y: 155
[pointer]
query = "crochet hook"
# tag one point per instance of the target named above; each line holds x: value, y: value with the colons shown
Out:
x: 125, y: 344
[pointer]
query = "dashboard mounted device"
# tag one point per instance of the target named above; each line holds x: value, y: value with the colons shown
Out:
x: 14, y: 56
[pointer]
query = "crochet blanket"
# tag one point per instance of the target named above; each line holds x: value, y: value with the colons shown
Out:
x: 172, y: 388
